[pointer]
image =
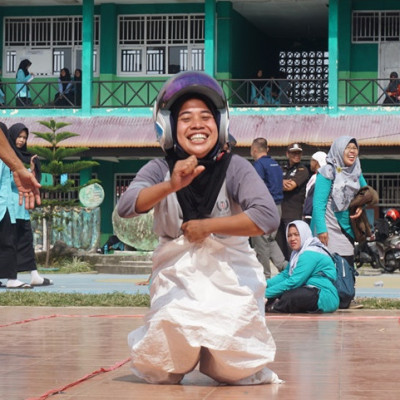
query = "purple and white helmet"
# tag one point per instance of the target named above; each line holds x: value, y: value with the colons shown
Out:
x: 182, y: 84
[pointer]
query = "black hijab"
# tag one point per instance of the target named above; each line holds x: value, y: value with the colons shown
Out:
x: 4, y: 128
x: 24, y: 65
x: 197, y: 200
x: 23, y: 153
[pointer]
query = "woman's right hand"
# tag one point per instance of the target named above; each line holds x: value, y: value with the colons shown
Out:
x: 184, y: 172
x: 323, y: 237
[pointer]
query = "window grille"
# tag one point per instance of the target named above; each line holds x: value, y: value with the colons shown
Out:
x: 40, y: 32
x: 131, y: 60
x: 161, y: 44
x: 48, y: 34
x: 388, y: 187
x: 375, y: 26
x: 11, y: 60
x: 122, y: 181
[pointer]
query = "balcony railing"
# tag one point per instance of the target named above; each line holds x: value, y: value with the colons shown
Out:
x: 240, y: 93
x: 365, y: 92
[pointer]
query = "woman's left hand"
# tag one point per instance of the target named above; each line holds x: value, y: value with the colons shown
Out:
x: 357, y: 213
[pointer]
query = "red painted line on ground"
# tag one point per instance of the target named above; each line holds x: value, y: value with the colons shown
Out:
x: 83, y: 379
x: 291, y: 317
x: 25, y: 321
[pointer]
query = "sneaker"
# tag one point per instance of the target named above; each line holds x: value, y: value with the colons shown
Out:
x: 355, y: 306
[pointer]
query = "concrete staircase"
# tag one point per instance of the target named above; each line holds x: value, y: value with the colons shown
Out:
x: 121, y: 262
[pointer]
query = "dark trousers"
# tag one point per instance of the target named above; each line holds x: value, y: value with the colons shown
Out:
x: 300, y: 300
x: 8, y: 251
x: 25, y: 252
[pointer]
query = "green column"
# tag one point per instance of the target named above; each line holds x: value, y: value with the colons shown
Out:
x: 109, y: 39
x: 209, y: 45
x: 333, y: 48
x: 87, y: 55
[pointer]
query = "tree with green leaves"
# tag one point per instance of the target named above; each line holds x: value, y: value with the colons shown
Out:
x: 58, y: 194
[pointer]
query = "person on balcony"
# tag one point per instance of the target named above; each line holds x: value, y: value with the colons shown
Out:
x: 393, y: 90
x: 258, y: 89
x: 23, y: 97
x: 64, y: 97
x: 77, y: 87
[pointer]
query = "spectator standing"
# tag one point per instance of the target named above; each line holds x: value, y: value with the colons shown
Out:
x: 77, y: 87
x: 26, y: 261
x: 305, y: 285
x: 270, y: 172
x: 295, y: 176
x: 8, y: 250
x: 317, y: 161
x: 336, y: 185
x: 207, y: 291
x: 22, y: 89
x: 258, y: 89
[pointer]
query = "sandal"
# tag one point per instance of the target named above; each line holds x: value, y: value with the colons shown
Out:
x: 46, y: 282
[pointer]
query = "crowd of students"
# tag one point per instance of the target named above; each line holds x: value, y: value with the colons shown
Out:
x: 69, y: 92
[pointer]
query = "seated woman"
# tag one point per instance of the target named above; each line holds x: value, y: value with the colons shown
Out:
x: 305, y: 285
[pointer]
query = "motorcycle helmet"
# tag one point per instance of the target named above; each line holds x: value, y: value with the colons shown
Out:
x: 392, y: 215
x: 184, y: 83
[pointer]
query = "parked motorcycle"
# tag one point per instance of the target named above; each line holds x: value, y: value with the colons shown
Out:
x: 387, y: 235
x: 367, y: 253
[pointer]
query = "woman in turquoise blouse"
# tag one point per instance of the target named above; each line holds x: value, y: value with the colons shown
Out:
x: 336, y: 185
x: 22, y: 89
x: 305, y: 285
x: 18, y: 136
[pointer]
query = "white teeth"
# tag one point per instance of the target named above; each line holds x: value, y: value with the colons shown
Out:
x: 198, y: 136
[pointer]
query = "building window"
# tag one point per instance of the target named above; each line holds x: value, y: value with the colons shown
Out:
x: 51, y: 43
x: 122, y: 181
x: 388, y: 187
x: 376, y: 26
x: 160, y: 44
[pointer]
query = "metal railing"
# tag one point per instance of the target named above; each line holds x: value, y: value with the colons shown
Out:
x: 240, y: 93
x: 365, y: 92
x: 38, y: 94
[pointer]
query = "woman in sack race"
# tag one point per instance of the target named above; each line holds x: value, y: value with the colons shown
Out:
x: 305, y: 285
x: 337, y: 184
x: 207, y: 289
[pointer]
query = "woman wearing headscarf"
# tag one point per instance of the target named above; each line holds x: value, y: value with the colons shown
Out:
x: 77, y: 89
x: 18, y: 136
x: 305, y: 285
x: 8, y: 250
x: 64, y: 97
x: 207, y: 288
x: 336, y: 185
x: 23, y: 77
x: 393, y: 89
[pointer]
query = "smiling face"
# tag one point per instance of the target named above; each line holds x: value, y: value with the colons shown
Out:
x: 197, y: 131
x: 350, y: 154
x: 294, y: 238
x: 20, y: 141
